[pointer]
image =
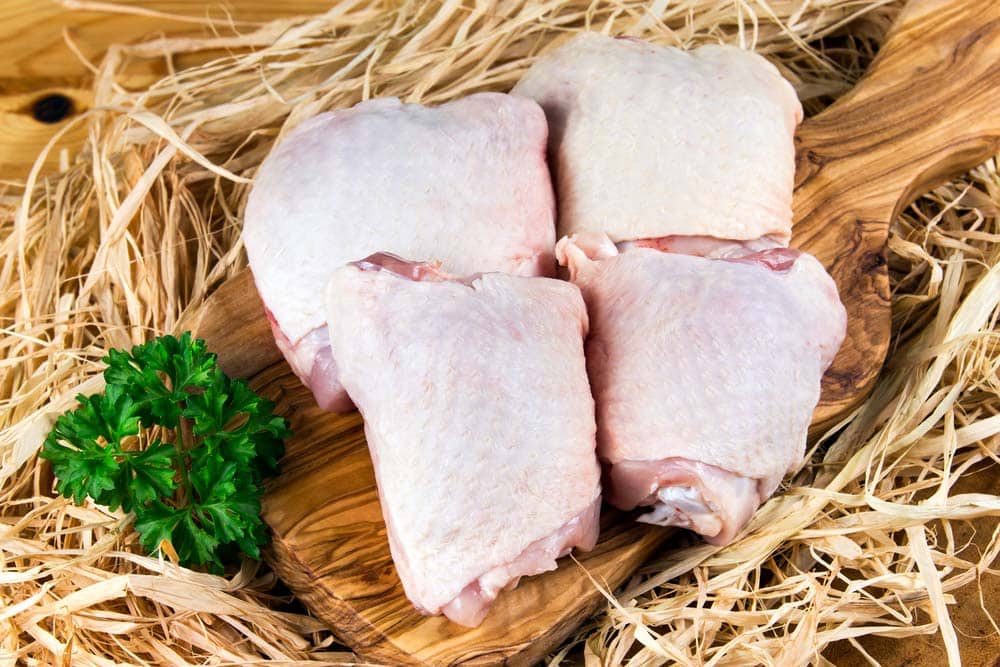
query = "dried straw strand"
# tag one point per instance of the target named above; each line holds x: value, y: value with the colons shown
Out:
x: 144, y: 224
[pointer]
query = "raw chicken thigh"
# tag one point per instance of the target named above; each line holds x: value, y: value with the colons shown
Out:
x: 465, y: 183
x: 674, y: 175
x: 479, y: 419
x: 705, y: 373
x: 647, y: 141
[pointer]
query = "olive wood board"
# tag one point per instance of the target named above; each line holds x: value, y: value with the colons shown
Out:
x: 927, y: 109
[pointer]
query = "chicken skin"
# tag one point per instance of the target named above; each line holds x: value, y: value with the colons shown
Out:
x: 465, y: 183
x: 479, y: 420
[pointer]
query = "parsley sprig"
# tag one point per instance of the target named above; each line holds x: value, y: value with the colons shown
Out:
x: 209, y: 441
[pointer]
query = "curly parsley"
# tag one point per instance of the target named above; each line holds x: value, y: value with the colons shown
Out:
x: 209, y: 442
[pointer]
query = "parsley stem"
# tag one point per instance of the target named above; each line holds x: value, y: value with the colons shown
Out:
x: 181, y: 438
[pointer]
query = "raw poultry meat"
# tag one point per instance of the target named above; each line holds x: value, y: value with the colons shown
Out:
x: 465, y: 183
x: 479, y: 420
x: 647, y: 141
x: 674, y: 175
x: 705, y: 373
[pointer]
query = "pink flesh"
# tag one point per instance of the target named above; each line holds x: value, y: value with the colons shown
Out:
x: 775, y: 259
x: 470, y: 607
x: 311, y: 361
x: 324, y: 383
x: 709, y: 500
x: 712, y: 247
x: 417, y: 271
x: 765, y: 252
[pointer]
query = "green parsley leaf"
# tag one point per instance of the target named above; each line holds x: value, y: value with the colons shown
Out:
x: 147, y: 475
x: 212, y: 441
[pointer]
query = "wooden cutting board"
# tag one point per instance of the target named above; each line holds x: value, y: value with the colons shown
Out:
x: 929, y: 108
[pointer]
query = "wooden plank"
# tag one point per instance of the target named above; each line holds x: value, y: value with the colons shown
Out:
x: 32, y: 47
x: 36, y: 61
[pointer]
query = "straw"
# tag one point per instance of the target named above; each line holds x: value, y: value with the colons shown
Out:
x: 143, y: 225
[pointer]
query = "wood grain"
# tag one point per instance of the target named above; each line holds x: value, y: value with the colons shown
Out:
x: 927, y: 109
x: 858, y: 163
x: 234, y: 318
x: 22, y: 137
x: 33, y: 33
x: 35, y: 59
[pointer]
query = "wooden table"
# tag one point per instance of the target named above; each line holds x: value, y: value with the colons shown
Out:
x: 41, y: 78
